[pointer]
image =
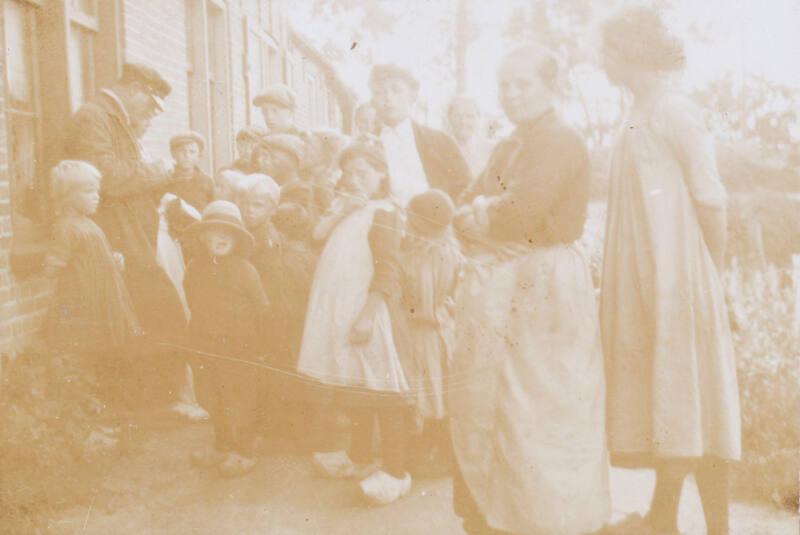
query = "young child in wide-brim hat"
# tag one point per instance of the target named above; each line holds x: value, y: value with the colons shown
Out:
x: 229, y: 308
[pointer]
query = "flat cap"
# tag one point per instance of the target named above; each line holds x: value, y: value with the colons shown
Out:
x: 279, y: 94
x: 149, y: 78
x: 285, y: 142
x: 251, y: 133
x: 389, y: 71
x: 187, y: 137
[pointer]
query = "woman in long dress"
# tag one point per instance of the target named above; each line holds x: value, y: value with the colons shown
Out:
x: 673, y: 400
x: 526, y: 388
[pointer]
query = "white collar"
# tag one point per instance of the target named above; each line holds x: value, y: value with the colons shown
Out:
x: 403, y: 127
x: 113, y: 96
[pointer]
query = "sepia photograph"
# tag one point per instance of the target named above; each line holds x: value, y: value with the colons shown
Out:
x: 400, y: 267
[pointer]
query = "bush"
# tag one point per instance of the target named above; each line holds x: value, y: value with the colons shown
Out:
x: 768, y: 365
x: 47, y: 416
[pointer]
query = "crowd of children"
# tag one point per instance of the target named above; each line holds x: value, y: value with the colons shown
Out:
x: 311, y: 296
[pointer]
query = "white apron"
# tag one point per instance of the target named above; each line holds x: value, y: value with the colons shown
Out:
x: 338, y: 294
x: 527, y: 393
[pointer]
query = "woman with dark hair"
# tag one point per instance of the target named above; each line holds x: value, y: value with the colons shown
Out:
x: 673, y: 401
x: 526, y: 388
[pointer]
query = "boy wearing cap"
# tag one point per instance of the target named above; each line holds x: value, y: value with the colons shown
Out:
x: 279, y: 156
x: 188, y: 181
x: 246, y: 140
x: 419, y: 157
x: 278, y: 103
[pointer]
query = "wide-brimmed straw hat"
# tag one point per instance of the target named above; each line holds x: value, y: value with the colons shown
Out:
x: 224, y: 215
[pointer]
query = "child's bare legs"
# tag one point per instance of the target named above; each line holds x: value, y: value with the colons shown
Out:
x: 670, y: 475
x: 711, y: 474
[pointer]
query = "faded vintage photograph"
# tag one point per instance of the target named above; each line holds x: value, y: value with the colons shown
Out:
x: 400, y: 267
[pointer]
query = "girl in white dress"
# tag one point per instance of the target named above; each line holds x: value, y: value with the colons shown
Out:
x: 348, y: 345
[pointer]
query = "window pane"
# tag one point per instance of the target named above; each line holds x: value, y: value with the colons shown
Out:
x: 80, y: 50
x: 19, y: 55
x: 87, y: 7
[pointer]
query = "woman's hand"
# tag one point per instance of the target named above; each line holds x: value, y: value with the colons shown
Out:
x: 471, y: 220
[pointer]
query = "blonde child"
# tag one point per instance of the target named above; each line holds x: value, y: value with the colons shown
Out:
x: 226, y: 185
x: 91, y: 314
x: 228, y: 311
x: 348, y: 346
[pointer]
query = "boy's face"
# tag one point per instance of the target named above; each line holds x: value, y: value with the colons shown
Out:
x: 277, y: 118
x: 219, y: 242
x: 244, y: 147
x: 394, y: 100
x: 364, y: 178
x: 187, y: 156
x: 258, y: 209
x: 86, y: 197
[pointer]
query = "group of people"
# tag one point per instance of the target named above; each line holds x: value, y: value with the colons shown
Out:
x: 431, y: 290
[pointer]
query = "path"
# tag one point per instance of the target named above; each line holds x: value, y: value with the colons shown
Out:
x: 155, y: 491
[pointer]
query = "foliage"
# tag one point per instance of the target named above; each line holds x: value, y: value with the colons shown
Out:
x: 768, y: 364
x: 751, y: 109
x: 47, y: 410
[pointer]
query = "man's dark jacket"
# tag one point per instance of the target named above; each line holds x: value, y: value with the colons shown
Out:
x: 128, y: 212
x: 442, y: 160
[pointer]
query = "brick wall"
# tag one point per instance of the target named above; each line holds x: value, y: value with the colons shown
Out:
x: 155, y: 34
x: 22, y: 303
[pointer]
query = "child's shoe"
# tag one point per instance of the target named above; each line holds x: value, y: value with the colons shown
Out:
x: 236, y: 465
x: 207, y: 458
x: 338, y: 465
x: 382, y: 489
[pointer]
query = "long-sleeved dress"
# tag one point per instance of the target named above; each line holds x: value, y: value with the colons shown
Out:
x: 91, y: 309
x: 668, y: 346
x: 526, y: 391
x: 429, y: 267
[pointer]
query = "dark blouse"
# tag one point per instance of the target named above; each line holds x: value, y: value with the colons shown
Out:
x: 385, y: 238
x: 541, y: 177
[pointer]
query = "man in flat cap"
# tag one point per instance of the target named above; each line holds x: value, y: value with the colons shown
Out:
x: 105, y: 132
x: 418, y: 157
x: 278, y: 103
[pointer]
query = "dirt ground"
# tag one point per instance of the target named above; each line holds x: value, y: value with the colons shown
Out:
x: 153, y: 489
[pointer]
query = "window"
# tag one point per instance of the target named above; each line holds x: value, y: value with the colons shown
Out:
x: 83, y: 27
x: 263, y: 61
x: 22, y: 105
x: 209, y: 73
